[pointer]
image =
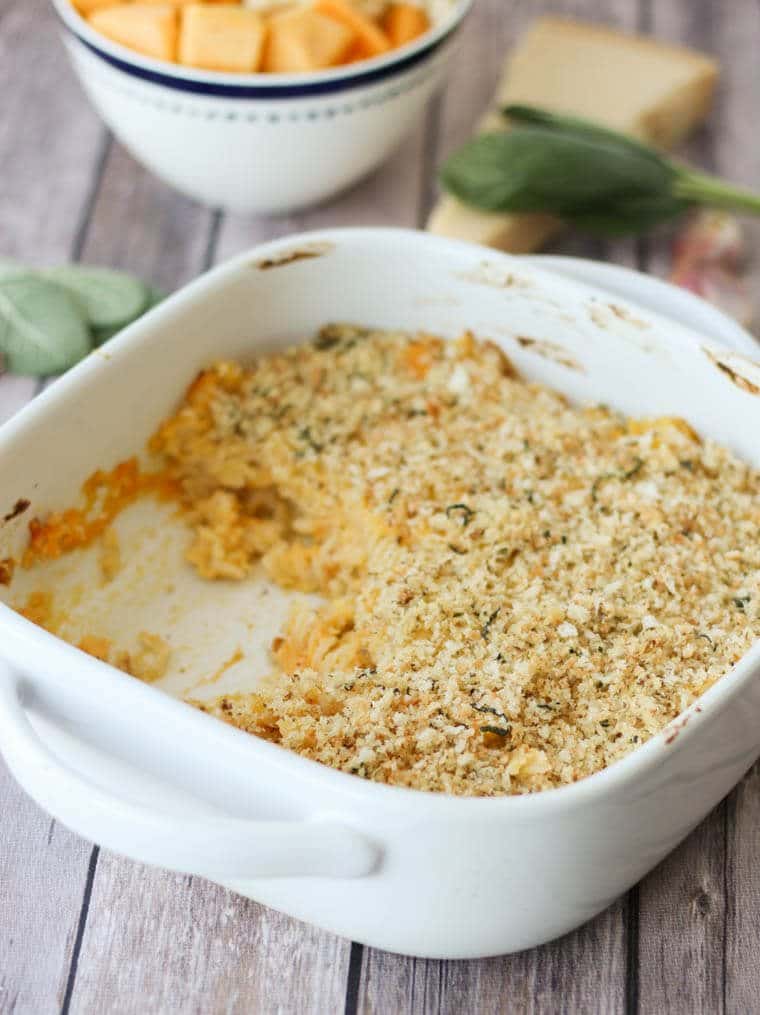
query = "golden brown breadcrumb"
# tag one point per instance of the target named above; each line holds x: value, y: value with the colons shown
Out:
x: 517, y: 591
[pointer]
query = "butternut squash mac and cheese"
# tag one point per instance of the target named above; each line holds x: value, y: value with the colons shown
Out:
x: 515, y: 592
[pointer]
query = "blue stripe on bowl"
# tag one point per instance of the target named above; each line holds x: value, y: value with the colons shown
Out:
x: 232, y: 91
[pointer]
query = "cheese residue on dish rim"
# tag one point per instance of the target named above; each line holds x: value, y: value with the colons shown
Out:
x: 517, y: 592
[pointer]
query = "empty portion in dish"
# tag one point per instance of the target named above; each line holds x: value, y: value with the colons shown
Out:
x: 262, y: 35
x: 513, y: 592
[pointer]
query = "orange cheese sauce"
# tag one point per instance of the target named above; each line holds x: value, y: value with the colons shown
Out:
x: 105, y: 495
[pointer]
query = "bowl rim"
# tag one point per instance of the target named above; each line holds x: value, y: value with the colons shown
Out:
x: 23, y: 640
x: 260, y: 84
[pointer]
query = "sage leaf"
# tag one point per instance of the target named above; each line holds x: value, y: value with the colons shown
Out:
x: 537, y: 117
x: 532, y: 169
x: 154, y: 297
x: 13, y: 269
x: 590, y: 176
x: 43, y: 327
x: 111, y: 298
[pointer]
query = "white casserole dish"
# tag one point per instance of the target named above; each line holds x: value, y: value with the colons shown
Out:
x: 126, y: 765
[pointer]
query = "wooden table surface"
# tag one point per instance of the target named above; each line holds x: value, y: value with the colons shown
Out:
x: 82, y: 930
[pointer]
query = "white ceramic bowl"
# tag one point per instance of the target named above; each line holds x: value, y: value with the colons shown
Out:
x: 262, y: 143
x: 125, y: 764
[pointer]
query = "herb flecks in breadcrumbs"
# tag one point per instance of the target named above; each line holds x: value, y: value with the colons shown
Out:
x: 518, y: 592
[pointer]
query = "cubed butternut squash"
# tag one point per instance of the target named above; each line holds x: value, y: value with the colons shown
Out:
x: 404, y: 22
x: 358, y: 51
x: 373, y: 39
x: 150, y: 29
x: 86, y: 7
x: 184, y: 3
x: 305, y: 40
x: 223, y: 37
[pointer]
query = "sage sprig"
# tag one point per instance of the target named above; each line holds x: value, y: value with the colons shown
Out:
x: 594, y: 178
x: 43, y: 329
x: 50, y: 318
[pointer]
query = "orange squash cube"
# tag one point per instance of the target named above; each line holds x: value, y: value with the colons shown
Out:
x: 184, y: 3
x: 373, y: 38
x: 150, y: 29
x: 223, y: 37
x: 305, y: 40
x: 86, y: 7
x: 405, y: 22
x: 359, y: 51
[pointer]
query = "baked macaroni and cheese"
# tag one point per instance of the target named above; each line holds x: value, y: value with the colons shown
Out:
x: 515, y: 592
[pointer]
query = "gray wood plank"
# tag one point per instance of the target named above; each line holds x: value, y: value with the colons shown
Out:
x: 47, y: 178
x: 50, y: 138
x: 742, y: 883
x: 15, y: 392
x: 583, y: 972
x: 682, y: 911
x: 141, y: 225
x: 703, y: 901
x: 165, y: 943
x: 733, y: 136
x: 42, y: 875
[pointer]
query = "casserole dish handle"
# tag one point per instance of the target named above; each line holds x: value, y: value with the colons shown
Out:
x: 220, y: 848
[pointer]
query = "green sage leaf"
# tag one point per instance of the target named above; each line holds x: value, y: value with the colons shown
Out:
x: 111, y: 298
x: 537, y: 117
x: 591, y: 176
x: 13, y: 269
x: 43, y: 327
x: 596, y: 184
x: 530, y: 169
x: 154, y: 297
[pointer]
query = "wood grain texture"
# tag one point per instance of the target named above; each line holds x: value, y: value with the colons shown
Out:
x: 582, y: 972
x: 689, y: 920
x: 141, y: 225
x: 741, y: 972
x: 50, y: 138
x: 167, y: 943
x: 733, y: 130
x: 682, y: 917
x: 46, y: 180
x: 42, y: 875
x: 15, y: 392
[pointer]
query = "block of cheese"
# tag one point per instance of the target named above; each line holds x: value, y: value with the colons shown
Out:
x: 634, y: 84
x: 150, y: 29
x: 302, y: 39
x: 223, y: 37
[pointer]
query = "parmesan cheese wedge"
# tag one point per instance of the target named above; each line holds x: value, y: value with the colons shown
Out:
x: 651, y: 90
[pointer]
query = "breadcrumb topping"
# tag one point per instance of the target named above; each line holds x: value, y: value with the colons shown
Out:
x: 518, y: 592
